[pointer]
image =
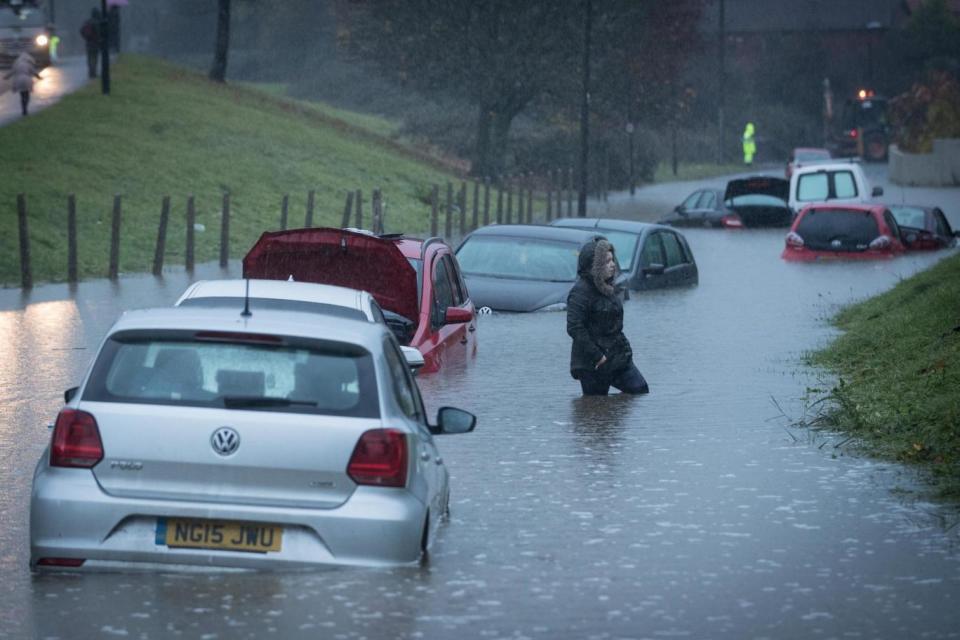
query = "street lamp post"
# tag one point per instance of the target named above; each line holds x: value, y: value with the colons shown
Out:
x: 630, y: 130
x: 585, y: 112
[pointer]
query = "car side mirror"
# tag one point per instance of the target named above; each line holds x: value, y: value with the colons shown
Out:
x: 451, y: 420
x: 654, y: 270
x: 70, y: 393
x: 877, y: 192
x: 413, y: 357
x: 456, y: 315
x: 681, y: 210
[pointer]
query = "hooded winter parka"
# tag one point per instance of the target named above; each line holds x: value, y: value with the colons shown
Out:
x: 595, y: 317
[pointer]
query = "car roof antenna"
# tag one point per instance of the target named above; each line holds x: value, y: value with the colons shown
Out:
x: 246, y: 302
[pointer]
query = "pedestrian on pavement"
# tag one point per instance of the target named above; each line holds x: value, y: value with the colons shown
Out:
x: 91, y: 39
x: 23, y: 71
x: 749, y: 144
x: 601, y: 356
x: 54, y: 43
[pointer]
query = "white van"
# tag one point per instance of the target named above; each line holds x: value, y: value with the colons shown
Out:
x: 837, y: 182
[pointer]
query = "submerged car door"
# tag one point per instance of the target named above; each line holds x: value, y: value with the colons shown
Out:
x: 450, y: 338
x: 686, y: 213
x: 652, y: 263
x: 679, y: 267
x: 706, y: 209
x: 426, y: 457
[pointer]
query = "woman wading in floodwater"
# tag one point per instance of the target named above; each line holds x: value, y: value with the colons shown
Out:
x: 601, y: 356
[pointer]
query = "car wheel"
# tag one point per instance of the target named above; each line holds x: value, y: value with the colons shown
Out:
x: 425, y: 538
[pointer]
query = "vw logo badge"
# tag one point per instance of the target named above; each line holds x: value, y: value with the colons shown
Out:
x: 484, y: 311
x: 836, y: 244
x: 225, y: 441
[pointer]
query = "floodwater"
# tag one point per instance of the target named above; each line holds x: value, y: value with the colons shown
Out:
x: 698, y: 511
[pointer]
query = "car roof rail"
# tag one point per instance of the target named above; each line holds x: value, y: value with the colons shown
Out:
x: 427, y: 243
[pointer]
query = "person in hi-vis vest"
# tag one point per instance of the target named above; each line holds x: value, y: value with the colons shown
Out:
x: 749, y: 144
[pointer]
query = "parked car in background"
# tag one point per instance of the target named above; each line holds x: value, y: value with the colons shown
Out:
x: 521, y: 267
x: 850, y: 232
x: 756, y: 201
x: 651, y: 255
x: 803, y: 156
x: 923, y: 228
x: 285, y: 295
x: 417, y: 281
x: 835, y: 182
x: 278, y: 439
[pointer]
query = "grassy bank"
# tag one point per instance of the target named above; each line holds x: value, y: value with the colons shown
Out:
x: 168, y: 131
x: 898, y: 363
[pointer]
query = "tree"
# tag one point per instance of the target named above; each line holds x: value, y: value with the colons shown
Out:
x: 218, y: 71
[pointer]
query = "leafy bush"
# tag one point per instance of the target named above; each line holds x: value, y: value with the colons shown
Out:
x: 930, y: 109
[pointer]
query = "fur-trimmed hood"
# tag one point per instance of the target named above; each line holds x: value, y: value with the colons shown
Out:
x: 590, y: 264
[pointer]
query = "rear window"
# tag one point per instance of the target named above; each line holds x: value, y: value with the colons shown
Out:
x: 826, y: 185
x: 624, y: 246
x: 275, y: 304
x: 183, y: 369
x: 838, y: 230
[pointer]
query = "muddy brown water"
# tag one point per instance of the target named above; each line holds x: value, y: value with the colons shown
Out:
x: 698, y: 511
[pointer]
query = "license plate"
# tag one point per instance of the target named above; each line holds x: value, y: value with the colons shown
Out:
x: 219, y: 534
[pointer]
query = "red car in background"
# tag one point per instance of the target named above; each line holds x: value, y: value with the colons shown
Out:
x: 803, y: 156
x: 923, y: 228
x: 433, y: 313
x: 843, y: 232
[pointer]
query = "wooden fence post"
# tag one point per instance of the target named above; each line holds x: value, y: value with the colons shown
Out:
x: 114, y: 269
x: 509, y: 218
x: 476, y: 206
x: 284, y: 208
x: 434, y: 206
x: 486, y: 200
x: 347, y: 210
x: 358, y: 200
x: 308, y: 220
x: 521, y: 216
x: 549, y: 211
x: 499, y: 202
x: 448, y: 223
x: 225, y: 231
x: 559, y: 193
x: 161, y: 237
x: 71, y: 238
x: 570, y: 192
x: 188, y: 260
x: 26, y: 274
x: 530, y: 198
x: 462, y: 203
x: 377, y: 207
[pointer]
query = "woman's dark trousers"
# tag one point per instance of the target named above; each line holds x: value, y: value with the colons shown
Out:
x: 628, y: 380
x: 24, y: 101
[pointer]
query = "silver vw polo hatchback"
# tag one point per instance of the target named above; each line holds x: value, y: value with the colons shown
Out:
x: 207, y: 437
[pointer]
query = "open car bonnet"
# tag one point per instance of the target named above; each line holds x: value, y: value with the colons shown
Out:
x: 340, y: 257
x: 759, y: 185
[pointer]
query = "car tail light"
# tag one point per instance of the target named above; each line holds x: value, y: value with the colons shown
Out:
x: 61, y: 562
x: 76, y: 440
x: 380, y: 459
x: 732, y: 221
x: 852, y: 133
x: 881, y: 242
x: 794, y: 239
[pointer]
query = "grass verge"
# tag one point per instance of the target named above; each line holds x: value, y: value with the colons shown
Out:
x: 898, y: 368
x: 169, y: 131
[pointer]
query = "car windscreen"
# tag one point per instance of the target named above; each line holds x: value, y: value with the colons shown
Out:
x: 519, y: 258
x: 220, y: 302
x: 624, y: 245
x: 909, y: 216
x: 222, y: 370
x: 28, y: 18
x: 837, y: 229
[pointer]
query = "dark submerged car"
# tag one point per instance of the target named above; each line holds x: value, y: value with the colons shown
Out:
x: 757, y: 201
x: 923, y: 228
x: 521, y: 267
x: 651, y: 255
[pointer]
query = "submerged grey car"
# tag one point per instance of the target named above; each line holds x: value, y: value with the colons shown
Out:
x: 207, y: 437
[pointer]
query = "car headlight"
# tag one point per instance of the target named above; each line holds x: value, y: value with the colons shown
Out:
x: 556, y: 306
x: 42, y: 40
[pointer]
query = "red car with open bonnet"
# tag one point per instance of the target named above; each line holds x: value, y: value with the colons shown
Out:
x: 432, y: 313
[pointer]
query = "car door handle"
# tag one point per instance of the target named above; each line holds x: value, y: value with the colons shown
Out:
x: 425, y: 456
x: 439, y: 460
x: 472, y: 328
